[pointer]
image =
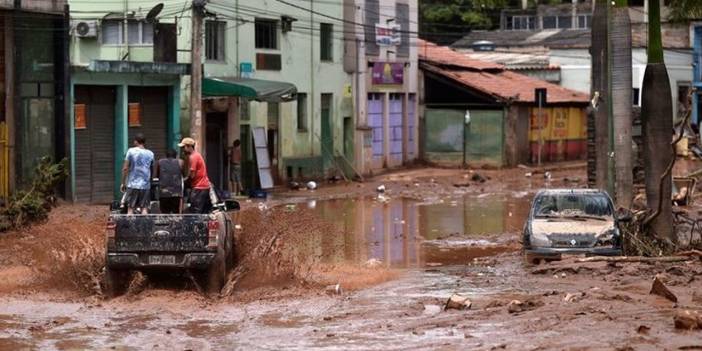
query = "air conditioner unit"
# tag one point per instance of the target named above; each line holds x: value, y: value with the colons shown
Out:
x: 85, y: 29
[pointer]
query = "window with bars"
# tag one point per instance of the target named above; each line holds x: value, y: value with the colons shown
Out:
x: 403, y: 19
x: 266, y: 33
x: 565, y: 22
x: 584, y: 21
x: 549, y: 22
x: 522, y: 22
x: 326, y: 43
x: 214, y: 40
x: 138, y: 32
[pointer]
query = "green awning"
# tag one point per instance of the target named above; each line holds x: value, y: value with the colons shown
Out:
x: 254, y: 89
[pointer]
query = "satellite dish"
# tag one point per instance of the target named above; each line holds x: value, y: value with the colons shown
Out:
x: 151, y: 16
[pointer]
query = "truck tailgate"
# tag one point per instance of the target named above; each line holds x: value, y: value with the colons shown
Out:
x: 166, y: 233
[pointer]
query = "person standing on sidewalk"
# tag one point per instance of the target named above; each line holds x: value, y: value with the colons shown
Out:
x: 170, y: 176
x: 199, y: 182
x: 137, y: 170
x: 235, y: 168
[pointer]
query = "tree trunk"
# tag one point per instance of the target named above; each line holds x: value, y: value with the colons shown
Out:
x: 598, y: 53
x: 657, y: 123
x: 621, y: 108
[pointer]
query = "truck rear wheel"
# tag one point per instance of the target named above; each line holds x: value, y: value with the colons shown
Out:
x: 116, y: 281
x: 216, y: 274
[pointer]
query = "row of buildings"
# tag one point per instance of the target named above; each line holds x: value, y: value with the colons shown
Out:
x: 320, y: 87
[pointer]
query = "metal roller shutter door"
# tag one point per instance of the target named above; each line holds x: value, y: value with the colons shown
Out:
x: 154, y: 117
x: 94, y: 149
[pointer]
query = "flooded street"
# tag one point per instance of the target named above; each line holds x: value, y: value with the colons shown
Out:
x: 396, y: 260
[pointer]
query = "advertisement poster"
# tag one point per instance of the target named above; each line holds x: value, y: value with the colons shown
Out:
x: 388, y: 73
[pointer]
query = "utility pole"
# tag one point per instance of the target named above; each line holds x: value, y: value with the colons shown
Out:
x: 196, y: 128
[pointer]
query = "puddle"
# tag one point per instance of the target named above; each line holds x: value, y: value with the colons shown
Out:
x: 404, y: 233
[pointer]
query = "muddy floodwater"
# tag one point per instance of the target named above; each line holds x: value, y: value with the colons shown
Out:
x: 424, y: 253
x: 405, y: 233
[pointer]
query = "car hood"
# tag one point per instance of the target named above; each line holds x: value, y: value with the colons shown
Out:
x: 586, y: 227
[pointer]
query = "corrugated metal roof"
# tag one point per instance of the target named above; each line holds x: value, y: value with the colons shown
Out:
x: 490, y: 78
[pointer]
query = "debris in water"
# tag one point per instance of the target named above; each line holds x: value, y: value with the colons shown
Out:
x: 687, y: 320
x: 311, y: 185
x: 658, y: 288
x: 457, y: 302
x: 383, y: 198
x: 262, y: 206
x: 527, y: 174
x: 373, y: 263
x: 516, y: 306
x: 574, y: 297
x: 643, y: 329
x: 547, y: 175
x: 380, y: 189
x: 477, y: 177
x: 334, y: 289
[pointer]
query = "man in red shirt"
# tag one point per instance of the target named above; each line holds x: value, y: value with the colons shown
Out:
x: 199, y: 182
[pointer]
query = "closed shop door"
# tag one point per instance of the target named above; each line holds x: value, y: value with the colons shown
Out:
x: 484, y: 137
x: 94, y: 138
x: 375, y: 122
x: 148, y: 114
x: 395, y: 118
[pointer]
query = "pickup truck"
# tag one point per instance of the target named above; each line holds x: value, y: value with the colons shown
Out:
x: 200, y: 245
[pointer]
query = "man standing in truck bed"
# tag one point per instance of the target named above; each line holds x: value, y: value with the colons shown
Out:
x: 199, y: 182
x: 136, y: 176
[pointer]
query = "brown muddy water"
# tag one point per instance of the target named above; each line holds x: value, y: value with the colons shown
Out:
x: 427, y: 243
x: 405, y: 233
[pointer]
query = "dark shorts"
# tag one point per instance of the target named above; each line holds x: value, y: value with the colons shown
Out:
x: 169, y: 205
x: 138, y: 198
x: 200, y: 201
x: 235, y: 173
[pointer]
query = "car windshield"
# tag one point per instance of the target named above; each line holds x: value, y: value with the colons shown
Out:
x: 572, y: 205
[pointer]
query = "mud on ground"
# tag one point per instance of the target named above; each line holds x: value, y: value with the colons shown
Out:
x: 395, y: 303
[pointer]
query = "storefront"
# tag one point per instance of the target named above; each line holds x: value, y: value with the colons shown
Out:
x: 112, y: 103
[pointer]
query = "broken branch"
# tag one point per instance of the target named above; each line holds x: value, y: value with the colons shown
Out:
x: 636, y: 259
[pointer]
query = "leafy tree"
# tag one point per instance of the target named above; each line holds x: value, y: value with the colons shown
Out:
x: 682, y: 10
x: 444, y: 21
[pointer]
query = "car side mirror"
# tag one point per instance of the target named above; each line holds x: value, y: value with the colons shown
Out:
x: 231, y: 205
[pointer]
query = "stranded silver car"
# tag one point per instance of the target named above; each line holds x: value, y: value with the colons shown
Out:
x: 571, y: 221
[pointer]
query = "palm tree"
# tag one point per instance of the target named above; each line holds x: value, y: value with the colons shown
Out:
x: 657, y: 123
x: 600, y: 87
x: 622, y: 102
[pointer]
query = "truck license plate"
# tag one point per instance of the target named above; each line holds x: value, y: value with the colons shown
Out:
x: 162, y: 259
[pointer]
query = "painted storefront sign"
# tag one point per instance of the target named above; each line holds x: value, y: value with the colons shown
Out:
x: 388, y: 73
x: 563, y: 131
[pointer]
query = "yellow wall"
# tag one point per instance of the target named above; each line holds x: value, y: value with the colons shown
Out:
x: 561, y: 123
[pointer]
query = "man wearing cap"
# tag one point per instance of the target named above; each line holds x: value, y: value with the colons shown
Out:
x: 200, y: 194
